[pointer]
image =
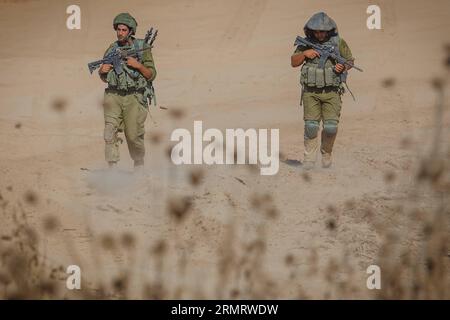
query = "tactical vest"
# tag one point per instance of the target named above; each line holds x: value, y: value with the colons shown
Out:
x: 313, y: 76
x: 129, y: 79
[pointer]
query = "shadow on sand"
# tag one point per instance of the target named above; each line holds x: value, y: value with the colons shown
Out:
x: 292, y: 162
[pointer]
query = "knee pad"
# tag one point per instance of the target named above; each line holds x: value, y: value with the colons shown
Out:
x: 330, y: 127
x: 110, y: 133
x: 311, y: 128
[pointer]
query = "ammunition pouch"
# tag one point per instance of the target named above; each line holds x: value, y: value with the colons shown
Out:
x: 312, y: 76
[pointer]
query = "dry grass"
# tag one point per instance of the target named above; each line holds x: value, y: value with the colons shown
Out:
x: 414, y: 254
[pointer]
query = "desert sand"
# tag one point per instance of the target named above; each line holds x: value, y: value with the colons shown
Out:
x: 226, y: 63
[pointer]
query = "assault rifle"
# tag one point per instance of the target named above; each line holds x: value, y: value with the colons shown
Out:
x: 117, y: 56
x: 326, y: 52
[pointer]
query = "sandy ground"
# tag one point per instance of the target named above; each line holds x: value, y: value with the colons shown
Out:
x: 226, y: 63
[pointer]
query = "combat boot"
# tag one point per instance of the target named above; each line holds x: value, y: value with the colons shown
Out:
x: 328, y: 139
x: 326, y: 160
x: 112, y: 164
x: 310, y: 154
x: 139, y: 166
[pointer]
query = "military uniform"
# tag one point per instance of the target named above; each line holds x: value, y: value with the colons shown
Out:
x: 125, y: 101
x: 321, y: 92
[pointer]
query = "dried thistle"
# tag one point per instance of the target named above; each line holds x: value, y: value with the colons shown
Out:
x: 257, y: 245
x: 160, y: 248
x: 437, y: 83
x: 430, y: 264
x: 428, y: 230
x: 176, y: 113
x: 178, y: 208
x: 196, y: 177
x: 430, y: 169
x: 31, y: 197
x: 50, y: 223
x: 331, y: 224
x: 406, y: 143
x: 120, y: 283
x: 272, y: 212
x: 59, y: 105
x: 257, y: 201
x: 306, y: 177
x: 289, y: 259
x: 155, y: 138
x: 128, y: 241
x: 234, y: 293
x: 388, y: 82
x: 389, y: 177
x: 6, y: 238
x: 107, y: 242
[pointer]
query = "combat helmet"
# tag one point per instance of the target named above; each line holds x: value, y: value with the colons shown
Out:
x: 126, y: 19
x: 320, y: 22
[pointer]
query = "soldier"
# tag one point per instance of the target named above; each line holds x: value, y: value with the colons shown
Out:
x: 125, y: 99
x: 321, y: 94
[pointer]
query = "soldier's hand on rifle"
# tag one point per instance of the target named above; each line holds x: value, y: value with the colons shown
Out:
x: 132, y: 62
x: 339, y: 68
x: 311, y: 53
x: 105, y: 68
